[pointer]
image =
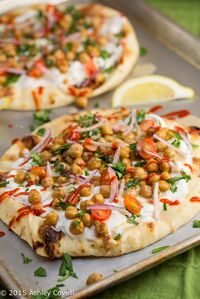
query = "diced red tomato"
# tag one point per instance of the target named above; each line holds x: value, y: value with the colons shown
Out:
x: 88, y: 145
x: 74, y: 135
x: 101, y: 214
x: 105, y: 177
x: 132, y: 204
x: 37, y: 69
x: 146, y: 144
x: 90, y: 68
x: 146, y: 124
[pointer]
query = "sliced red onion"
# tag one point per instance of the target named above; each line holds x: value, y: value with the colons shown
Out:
x: 156, y: 201
x: 132, y: 123
x: 74, y: 178
x: 119, y: 128
x: 154, y: 154
x: 168, y: 144
x: 91, y: 128
x: 109, y: 207
x: 114, y: 184
x: 72, y: 37
x: 116, y: 155
x: 49, y: 170
x: 88, y: 179
x: 102, y: 144
x: 12, y: 70
x: 121, y: 189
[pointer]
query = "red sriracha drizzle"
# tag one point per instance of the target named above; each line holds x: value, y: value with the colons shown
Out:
x: 179, y: 114
x: 170, y: 202
x: 2, y: 234
x: 8, y: 193
x: 155, y: 109
x: 195, y: 199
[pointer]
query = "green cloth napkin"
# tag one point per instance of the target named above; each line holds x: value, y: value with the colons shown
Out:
x: 178, y: 278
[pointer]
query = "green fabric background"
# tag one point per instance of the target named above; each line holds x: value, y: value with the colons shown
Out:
x: 178, y: 278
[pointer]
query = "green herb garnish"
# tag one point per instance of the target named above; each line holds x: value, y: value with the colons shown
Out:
x: 36, y: 159
x: 177, y: 139
x: 119, y: 168
x: 159, y: 249
x: 41, y: 132
x: 140, y: 163
x: 40, y: 272
x: 96, y: 105
x: 104, y: 158
x: 104, y: 54
x: 143, y: 51
x: 39, y: 118
x: 3, y: 184
x: 140, y: 116
x: 26, y: 259
x: 10, y: 80
x: 131, y: 219
x: 172, y: 181
x: 87, y: 120
x: 194, y: 145
x: 196, y: 224
x: 133, y: 147
x: 66, y: 268
x: 132, y: 183
x: 118, y: 237
x: 63, y: 148
x: 164, y: 206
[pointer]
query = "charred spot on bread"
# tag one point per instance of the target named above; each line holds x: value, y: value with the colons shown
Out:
x: 30, y: 141
x: 51, y: 239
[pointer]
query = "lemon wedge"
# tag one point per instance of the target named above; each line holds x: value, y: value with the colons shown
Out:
x: 149, y: 89
x: 4, y: 103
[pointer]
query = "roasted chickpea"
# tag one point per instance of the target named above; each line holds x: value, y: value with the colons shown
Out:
x: 96, y: 180
x: 84, y: 203
x: 169, y: 153
x: 56, y: 204
x: 98, y: 198
x: 47, y: 182
x: 20, y: 177
x: 75, y: 169
x: 163, y: 186
x: 70, y: 55
x: 60, y: 194
x: 146, y: 191
x: 79, y: 161
x: 100, y: 78
x: 164, y: 175
x: 87, y: 219
x: 75, y: 150
x: 161, y: 146
x: 106, y: 129
x: 51, y: 218
x: 164, y: 166
x: 152, y: 166
x: 94, y: 163
x: 102, y: 40
x: 163, y: 133
x: 84, y: 57
x: 39, y: 171
x: 129, y: 138
x: 34, y: 196
x: 61, y: 180
x: 86, y: 191
x: 68, y: 159
x: 76, y: 226
x: 94, y: 277
x: 32, y: 178
x: 54, y: 147
x: 71, y: 212
x: 126, y: 162
x: 81, y: 102
x: 152, y: 178
x: 105, y: 190
x: 59, y: 140
x: 93, y: 51
x: 131, y: 191
x: 125, y: 152
x: 140, y: 173
x: 101, y: 228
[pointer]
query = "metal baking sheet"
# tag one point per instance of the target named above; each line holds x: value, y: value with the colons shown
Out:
x: 19, y: 277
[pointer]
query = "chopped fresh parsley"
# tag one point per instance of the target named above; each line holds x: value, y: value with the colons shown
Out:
x: 10, y: 80
x: 3, y: 184
x: 177, y: 139
x: 104, y: 158
x: 62, y: 148
x: 119, y: 168
x: 143, y: 51
x: 118, y: 237
x: 159, y: 249
x: 141, y: 114
x: 109, y: 69
x: 172, y: 181
x: 119, y: 35
x: 64, y: 205
x: 86, y: 173
x: 140, y: 163
x: 196, y: 224
x: 132, y: 183
x: 104, y: 54
x: 26, y: 259
x: 89, y: 42
x: 133, y: 147
x: 40, y: 272
x: 39, y: 118
x: 87, y: 120
x: 66, y: 268
x: 59, y: 166
x: 164, y: 206
x: 96, y: 105
x: 194, y: 145
x: 36, y: 159
x: 68, y: 47
x: 131, y: 219
x: 41, y: 132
